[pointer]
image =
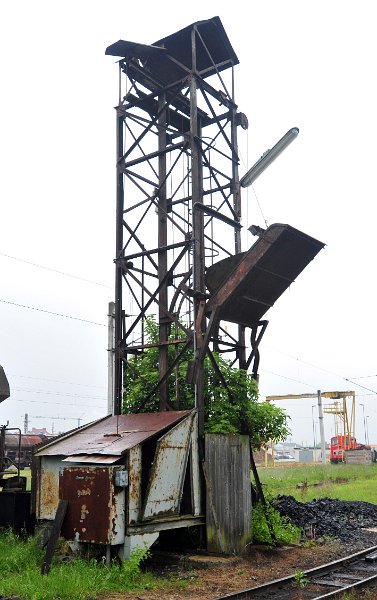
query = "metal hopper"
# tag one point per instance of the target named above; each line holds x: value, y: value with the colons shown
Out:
x: 243, y: 287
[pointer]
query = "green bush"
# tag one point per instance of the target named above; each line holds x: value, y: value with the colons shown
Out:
x: 285, y: 532
x: 230, y: 408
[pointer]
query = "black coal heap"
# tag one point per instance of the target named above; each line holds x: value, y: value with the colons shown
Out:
x: 328, y: 517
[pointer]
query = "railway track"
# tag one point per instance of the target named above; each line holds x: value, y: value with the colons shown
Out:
x: 330, y: 580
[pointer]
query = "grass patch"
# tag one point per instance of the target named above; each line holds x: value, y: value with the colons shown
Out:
x: 345, y: 482
x: 79, y: 579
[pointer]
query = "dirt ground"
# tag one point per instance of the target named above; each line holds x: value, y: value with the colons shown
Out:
x: 208, y: 577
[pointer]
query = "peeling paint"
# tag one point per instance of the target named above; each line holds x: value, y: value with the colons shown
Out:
x: 96, y: 508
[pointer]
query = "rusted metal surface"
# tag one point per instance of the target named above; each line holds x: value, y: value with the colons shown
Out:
x: 169, y: 465
x: 246, y: 285
x: 169, y: 468
x: 194, y: 470
x: 48, y: 488
x: 114, y: 435
x: 134, y: 488
x: 95, y: 505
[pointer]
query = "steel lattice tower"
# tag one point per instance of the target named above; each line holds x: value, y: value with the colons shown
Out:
x: 178, y: 222
x: 178, y: 193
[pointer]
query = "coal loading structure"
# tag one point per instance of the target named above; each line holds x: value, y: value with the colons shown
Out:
x: 178, y: 258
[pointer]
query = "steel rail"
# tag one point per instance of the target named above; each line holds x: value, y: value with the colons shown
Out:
x: 284, y: 585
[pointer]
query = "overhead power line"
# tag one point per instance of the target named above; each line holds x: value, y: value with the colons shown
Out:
x: 360, y: 386
x: 55, y: 270
x: 49, y: 312
x: 49, y: 392
x: 57, y: 403
x: 101, y: 387
x: 289, y: 378
x: 322, y: 369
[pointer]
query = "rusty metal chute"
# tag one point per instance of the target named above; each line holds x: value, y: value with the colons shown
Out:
x: 246, y: 285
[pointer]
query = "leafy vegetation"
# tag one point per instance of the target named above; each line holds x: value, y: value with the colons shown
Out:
x: 20, y: 565
x: 233, y: 408
x: 266, y: 517
x: 301, y: 579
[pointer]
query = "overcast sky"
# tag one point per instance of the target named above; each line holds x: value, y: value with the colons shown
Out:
x: 302, y: 63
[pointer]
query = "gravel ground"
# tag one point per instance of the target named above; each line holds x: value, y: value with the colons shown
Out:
x: 335, y: 529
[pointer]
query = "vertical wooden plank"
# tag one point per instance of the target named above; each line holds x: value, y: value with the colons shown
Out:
x: 228, y: 491
x: 58, y: 522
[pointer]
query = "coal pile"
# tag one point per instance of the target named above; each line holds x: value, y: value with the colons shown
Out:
x: 339, y: 519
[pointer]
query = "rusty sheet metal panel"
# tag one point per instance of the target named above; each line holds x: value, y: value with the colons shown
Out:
x: 246, y: 285
x: 168, y: 472
x: 195, y: 474
x: 113, y: 435
x: 95, y: 505
x: 48, y: 489
x: 134, y: 485
x: 228, y: 490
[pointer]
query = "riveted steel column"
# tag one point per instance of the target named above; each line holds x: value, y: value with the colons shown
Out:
x: 197, y: 222
x: 162, y: 258
x: 118, y: 363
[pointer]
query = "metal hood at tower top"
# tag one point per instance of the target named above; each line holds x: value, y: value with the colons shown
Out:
x: 214, y: 51
x: 4, y: 385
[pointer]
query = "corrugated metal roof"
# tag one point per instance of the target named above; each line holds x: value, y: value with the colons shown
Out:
x: 114, y: 435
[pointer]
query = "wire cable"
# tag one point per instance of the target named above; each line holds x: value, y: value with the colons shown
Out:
x: 289, y: 378
x: 28, y: 262
x: 50, y: 392
x: 49, y: 312
x: 100, y: 387
x: 324, y: 370
x: 56, y: 403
